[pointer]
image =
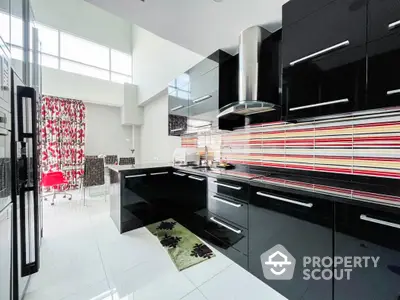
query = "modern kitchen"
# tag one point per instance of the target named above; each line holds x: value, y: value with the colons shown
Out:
x: 293, y: 141
x: 199, y: 150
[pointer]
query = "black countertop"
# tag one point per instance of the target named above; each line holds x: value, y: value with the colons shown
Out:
x: 374, y: 191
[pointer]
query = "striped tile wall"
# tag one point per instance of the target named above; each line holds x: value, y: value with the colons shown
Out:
x: 358, y: 145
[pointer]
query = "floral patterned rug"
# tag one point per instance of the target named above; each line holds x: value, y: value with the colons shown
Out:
x: 184, y: 248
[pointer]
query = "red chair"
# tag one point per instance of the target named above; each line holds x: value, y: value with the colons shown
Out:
x: 54, y: 180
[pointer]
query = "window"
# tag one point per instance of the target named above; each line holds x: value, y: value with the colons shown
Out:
x: 48, y: 38
x: 16, y: 31
x: 121, y: 62
x: 71, y: 53
x: 78, y: 68
x: 80, y: 50
x: 5, y: 27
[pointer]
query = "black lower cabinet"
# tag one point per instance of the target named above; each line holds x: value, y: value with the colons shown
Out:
x: 137, y: 209
x: 303, y: 225
x: 368, y: 231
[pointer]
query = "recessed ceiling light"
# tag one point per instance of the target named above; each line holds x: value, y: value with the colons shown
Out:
x: 217, y: 1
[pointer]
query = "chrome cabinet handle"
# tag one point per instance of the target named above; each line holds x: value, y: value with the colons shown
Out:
x: 196, y: 178
x: 134, y: 176
x: 321, y: 52
x: 238, y: 231
x: 392, y: 92
x: 228, y: 186
x: 394, y: 25
x: 159, y: 173
x: 177, y: 129
x: 285, y: 200
x: 227, y: 202
x: 177, y: 107
x: 179, y: 174
x: 381, y: 222
x: 200, y: 99
x: 319, y: 104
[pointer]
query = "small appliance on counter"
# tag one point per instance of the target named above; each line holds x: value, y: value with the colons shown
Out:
x: 186, y: 156
x: 226, y: 166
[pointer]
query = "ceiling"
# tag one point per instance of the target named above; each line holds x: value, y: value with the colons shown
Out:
x: 202, y: 26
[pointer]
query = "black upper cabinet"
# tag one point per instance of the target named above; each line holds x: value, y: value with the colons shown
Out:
x: 368, y: 231
x: 383, y: 18
x: 383, y: 53
x: 178, y: 102
x: 196, y: 96
x: 296, y: 10
x: 303, y: 225
x: 324, y: 59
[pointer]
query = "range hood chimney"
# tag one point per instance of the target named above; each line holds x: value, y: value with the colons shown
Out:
x: 249, y: 103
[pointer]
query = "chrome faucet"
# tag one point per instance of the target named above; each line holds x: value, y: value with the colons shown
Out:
x: 206, y: 152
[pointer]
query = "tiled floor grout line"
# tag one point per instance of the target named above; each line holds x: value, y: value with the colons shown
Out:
x: 219, y: 272
x: 101, y: 256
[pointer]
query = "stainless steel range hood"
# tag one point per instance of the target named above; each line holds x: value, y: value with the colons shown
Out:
x: 249, y: 66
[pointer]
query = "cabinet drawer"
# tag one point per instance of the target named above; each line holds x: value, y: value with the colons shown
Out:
x: 337, y: 26
x: 383, y: 18
x: 231, y: 235
x: 229, y: 209
x: 230, y: 188
x: 307, y: 208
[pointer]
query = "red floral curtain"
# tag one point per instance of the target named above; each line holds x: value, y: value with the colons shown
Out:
x: 62, y: 128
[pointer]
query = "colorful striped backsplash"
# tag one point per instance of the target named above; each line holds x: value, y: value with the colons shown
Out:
x: 357, y: 145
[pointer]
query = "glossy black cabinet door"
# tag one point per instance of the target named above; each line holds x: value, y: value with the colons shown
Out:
x: 324, y: 61
x: 383, y: 53
x: 136, y: 208
x: 196, y: 192
x: 159, y: 186
x: 383, y: 18
x: 178, y: 102
x: 303, y: 225
x: 230, y: 188
x: 371, y: 231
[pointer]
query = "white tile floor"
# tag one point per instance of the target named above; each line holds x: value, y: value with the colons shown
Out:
x: 83, y: 257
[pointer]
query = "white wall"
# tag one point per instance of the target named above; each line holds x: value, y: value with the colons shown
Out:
x: 155, y: 144
x: 88, y: 89
x: 104, y: 132
x: 157, y: 61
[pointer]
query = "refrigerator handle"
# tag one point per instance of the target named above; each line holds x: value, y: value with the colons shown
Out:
x: 26, y: 97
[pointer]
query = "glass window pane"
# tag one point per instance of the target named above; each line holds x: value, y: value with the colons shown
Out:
x: 16, y: 31
x: 120, y: 78
x: 17, y: 53
x: 48, y: 38
x: 84, y: 70
x: 121, y: 62
x: 5, y: 27
x: 81, y: 50
x: 49, y: 61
